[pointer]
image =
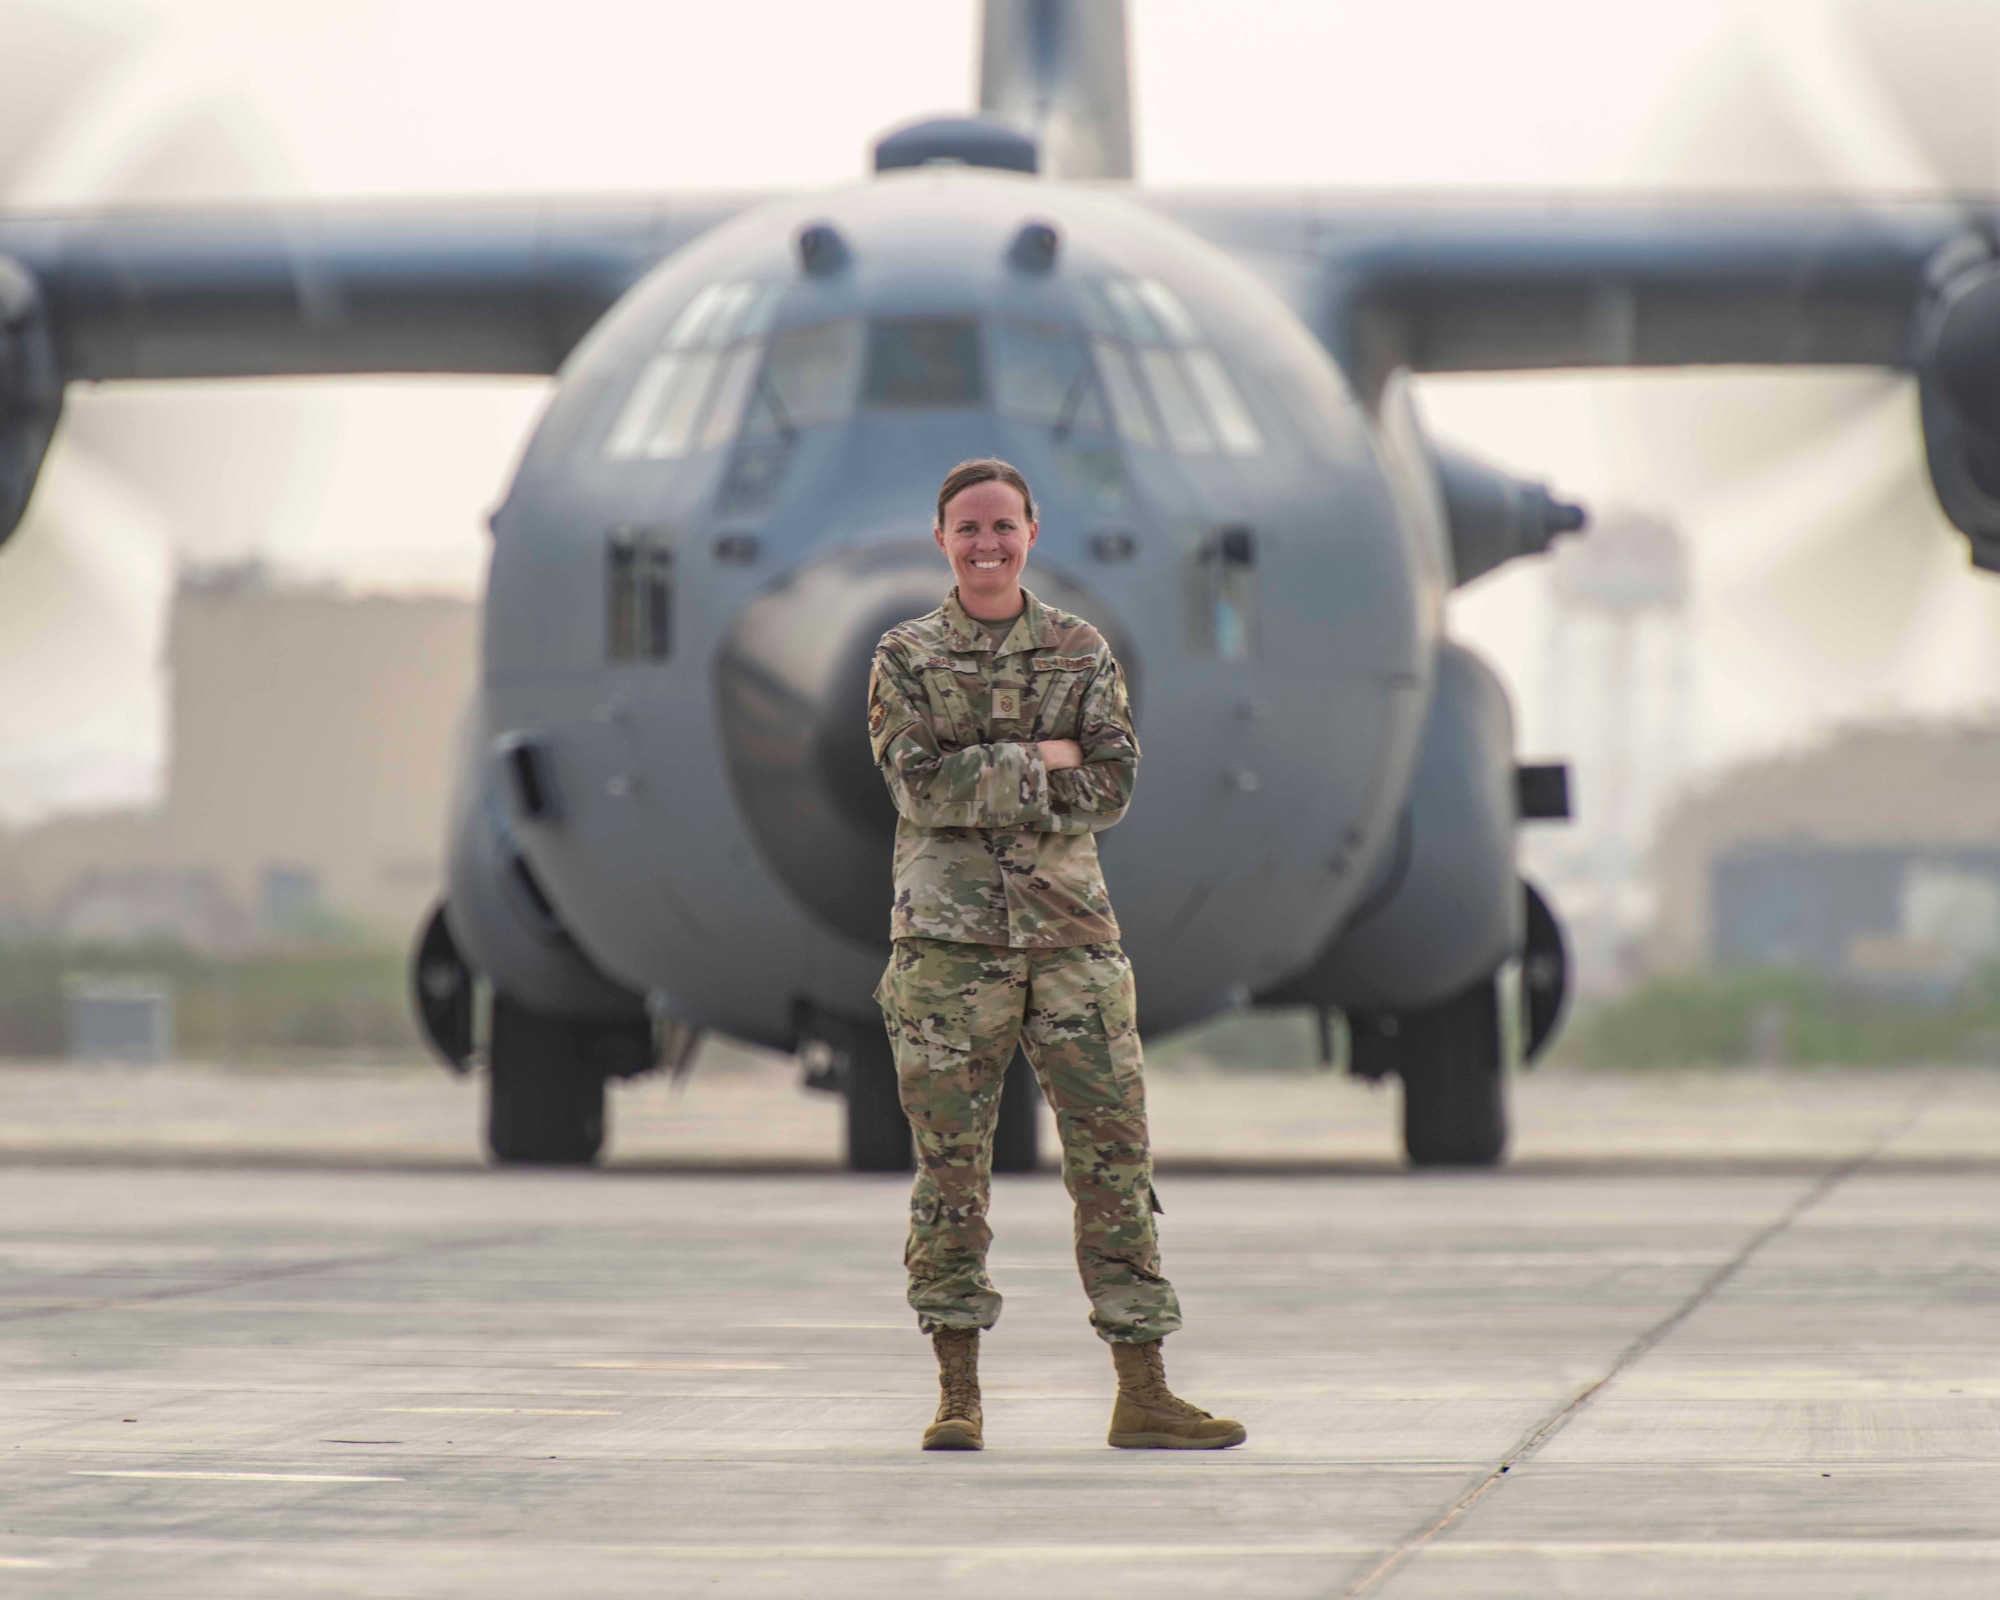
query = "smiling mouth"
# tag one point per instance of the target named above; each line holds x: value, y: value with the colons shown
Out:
x: 988, y: 566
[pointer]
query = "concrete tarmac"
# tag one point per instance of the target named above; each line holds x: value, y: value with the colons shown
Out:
x: 1704, y: 1358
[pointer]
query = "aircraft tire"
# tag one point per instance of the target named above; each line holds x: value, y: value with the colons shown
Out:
x: 878, y: 1134
x: 1544, y: 971
x: 1017, y: 1133
x: 1454, y: 1089
x: 544, y: 1088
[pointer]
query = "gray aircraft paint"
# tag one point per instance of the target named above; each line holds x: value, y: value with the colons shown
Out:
x: 1252, y: 841
x: 1276, y: 770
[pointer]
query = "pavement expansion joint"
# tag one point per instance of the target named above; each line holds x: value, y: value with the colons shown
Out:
x: 1830, y: 1179
x: 1717, y: 1335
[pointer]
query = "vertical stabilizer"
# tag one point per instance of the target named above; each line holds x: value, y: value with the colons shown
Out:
x: 1057, y: 69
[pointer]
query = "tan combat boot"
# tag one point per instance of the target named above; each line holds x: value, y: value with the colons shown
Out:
x: 958, y: 1418
x: 1150, y: 1416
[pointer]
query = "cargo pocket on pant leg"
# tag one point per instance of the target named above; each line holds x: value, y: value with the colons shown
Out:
x: 1121, y: 1036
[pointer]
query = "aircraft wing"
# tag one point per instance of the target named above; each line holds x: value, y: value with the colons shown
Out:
x: 1433, y: 285
x: 1496, y: 286
x: 1425, y: 285
x: 458, y: 288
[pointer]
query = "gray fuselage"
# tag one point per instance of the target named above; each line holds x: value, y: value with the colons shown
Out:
x: 731, y: 495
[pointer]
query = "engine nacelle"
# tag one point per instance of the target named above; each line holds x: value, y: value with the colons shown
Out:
x: 1493, y: 516
x: 1446, y: 907
x: 31, y: 390
x: 1958, y: 390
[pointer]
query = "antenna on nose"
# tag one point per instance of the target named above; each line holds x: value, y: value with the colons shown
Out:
x: 1034, y: 247
x: 822, y: 250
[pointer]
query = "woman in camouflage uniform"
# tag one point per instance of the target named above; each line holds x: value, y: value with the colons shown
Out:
x: 1002, y: 728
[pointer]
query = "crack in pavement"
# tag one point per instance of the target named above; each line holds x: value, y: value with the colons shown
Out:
x: 1828, y: 1181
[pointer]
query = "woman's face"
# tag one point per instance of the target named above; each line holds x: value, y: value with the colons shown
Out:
x: 986, y: 536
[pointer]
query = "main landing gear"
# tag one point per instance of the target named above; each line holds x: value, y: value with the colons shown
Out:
x: 1451, y: 1061
x: 1452, y: 1057
x: 545, y: 1082
x: 545, y: 1072
x: 544, y: 1098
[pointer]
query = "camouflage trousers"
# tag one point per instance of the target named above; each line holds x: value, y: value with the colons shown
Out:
x: 955, y: 1013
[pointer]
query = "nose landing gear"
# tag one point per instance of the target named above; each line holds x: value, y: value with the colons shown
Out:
x: 878, y: 1134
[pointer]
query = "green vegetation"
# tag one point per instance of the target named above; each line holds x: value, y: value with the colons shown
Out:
x: 352, y: 998
x: 1250, y: 1041
x: 1772, y: 1017
x: 1739, y: 1018
x: 346, y: 997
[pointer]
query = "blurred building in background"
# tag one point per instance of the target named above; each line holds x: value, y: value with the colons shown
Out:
x: 1873, y: 858
x: 311, y: 734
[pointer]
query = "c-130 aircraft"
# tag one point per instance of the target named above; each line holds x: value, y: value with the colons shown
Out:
x: 667, y: 818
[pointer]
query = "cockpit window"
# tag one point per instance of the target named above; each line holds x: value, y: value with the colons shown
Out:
x: 808, y: 378
x: 1042, y: 373
x: 1226, y: 410
x: 1122, y: 386
x: 722, y: 312
x: 1163, y: 382
x: 1172, y: 318
x: 689, y: 396
x: 1143, y: 371
x: 1186, y: 422
x: 924, y: 362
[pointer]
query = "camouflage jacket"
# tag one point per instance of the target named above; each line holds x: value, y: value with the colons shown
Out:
x: 992, y: 847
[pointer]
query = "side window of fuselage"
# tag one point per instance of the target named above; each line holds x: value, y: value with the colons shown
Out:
x: 1221, y: 590
x: 638, y: 594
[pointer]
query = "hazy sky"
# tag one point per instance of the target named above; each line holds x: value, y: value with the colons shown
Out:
x: 427, y: 96
x: 386, y: 484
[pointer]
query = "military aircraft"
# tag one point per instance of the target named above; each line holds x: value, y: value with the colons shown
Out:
x: 667, y: 818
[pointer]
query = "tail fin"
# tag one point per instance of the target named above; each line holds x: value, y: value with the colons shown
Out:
x: 1057, y: 69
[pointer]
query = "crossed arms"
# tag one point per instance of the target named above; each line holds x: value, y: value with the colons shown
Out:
x: 1006, y: 784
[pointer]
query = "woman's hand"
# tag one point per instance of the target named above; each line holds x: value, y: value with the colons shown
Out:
x: 1059, y: 755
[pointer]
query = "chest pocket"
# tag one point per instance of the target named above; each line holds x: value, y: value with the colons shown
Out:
x: 1056, y: 692
x: 956, y: 689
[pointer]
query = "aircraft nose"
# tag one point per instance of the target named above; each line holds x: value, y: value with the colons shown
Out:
x: 792, y: 679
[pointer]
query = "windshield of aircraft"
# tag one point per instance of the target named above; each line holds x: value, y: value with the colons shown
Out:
x: 1141, y: 370
x: 690, y: 395
x: 921, y: 362
x: 1165, y: 387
